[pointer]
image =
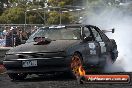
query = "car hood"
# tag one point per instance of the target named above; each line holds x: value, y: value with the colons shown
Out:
x: 53, y: 46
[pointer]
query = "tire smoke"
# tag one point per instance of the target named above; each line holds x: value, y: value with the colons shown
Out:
x: 120, y: 19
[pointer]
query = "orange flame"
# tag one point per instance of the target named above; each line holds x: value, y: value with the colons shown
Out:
x: 81, y: 71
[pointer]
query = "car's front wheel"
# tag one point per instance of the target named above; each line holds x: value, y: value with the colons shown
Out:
x: 17, y: 76
x: 76, y: 66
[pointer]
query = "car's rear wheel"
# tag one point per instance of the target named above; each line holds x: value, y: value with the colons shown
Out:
x: 17, y: 76
x: 77, y: 66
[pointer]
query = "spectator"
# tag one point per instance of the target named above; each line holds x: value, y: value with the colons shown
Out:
x: 8, y: 38
x: 23, y: 35
x: 12, y: 38
x: 4, y: 34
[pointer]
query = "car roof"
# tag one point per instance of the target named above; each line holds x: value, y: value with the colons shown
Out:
x: 70, y: 25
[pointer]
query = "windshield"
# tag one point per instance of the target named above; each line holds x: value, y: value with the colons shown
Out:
x: 57, y: 34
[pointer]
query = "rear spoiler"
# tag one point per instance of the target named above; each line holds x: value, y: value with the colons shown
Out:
x: 110, y: 30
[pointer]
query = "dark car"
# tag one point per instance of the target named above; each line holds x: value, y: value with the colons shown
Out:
x: 61, y: 49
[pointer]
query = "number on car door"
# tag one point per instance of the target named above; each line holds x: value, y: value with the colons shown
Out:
x: 91, y: 46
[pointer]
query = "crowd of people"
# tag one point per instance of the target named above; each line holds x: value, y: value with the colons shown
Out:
x: 14, y: 36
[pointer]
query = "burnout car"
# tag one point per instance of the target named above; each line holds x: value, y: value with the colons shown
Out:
x: 61, y: 49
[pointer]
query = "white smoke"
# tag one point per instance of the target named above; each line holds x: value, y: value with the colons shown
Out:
x: 122, y: 22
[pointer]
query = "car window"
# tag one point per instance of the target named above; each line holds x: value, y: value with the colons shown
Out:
x: 104, y: 37
x: 96, y: 34
x: 86, y: 32
x: 57, y: 34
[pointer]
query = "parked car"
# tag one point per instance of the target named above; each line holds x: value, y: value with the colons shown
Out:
x: 61, y: 49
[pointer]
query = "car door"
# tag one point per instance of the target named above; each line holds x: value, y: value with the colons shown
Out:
x: 102, y: 44
x: 91, y: 47
x: 104, y: 47
x: 111, y: 47
x: 99, y: 39
x: 106, y: 40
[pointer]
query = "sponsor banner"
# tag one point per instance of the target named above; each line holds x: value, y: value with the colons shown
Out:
x: 107, y: 78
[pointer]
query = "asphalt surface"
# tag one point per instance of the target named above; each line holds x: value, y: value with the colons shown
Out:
x: 54, y: 81
x: 57, y: 81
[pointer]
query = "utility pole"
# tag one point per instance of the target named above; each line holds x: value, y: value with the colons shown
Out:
x: 60, y: 15
x: 25, y: 20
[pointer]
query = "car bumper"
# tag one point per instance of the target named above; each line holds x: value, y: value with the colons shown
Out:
x: 44, y: 65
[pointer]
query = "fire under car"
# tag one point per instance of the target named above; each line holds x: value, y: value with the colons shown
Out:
x: 61, y: 49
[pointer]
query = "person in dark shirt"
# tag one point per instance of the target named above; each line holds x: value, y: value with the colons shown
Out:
x: 12, y: 38
x: 8, y: 38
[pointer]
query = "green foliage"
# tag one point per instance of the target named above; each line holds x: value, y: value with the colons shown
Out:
x: 33, y: 18
x: 13, y: 16
x: 2, y: 5
x: 16, y: 15
x: 66, y: 18
x: 59, y: 18
x: 12, y: 1
x: 53, y: 18
x: 59, y: 2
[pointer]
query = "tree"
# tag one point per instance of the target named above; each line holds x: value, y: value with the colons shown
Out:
x: 13, y: 16
x: 34, y: 18
x: 59, y: 18
x: 2, y: 2
x: 59, y: 2
x: 16, y: 13
x: 53, y: 18
x: 78, y: 2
